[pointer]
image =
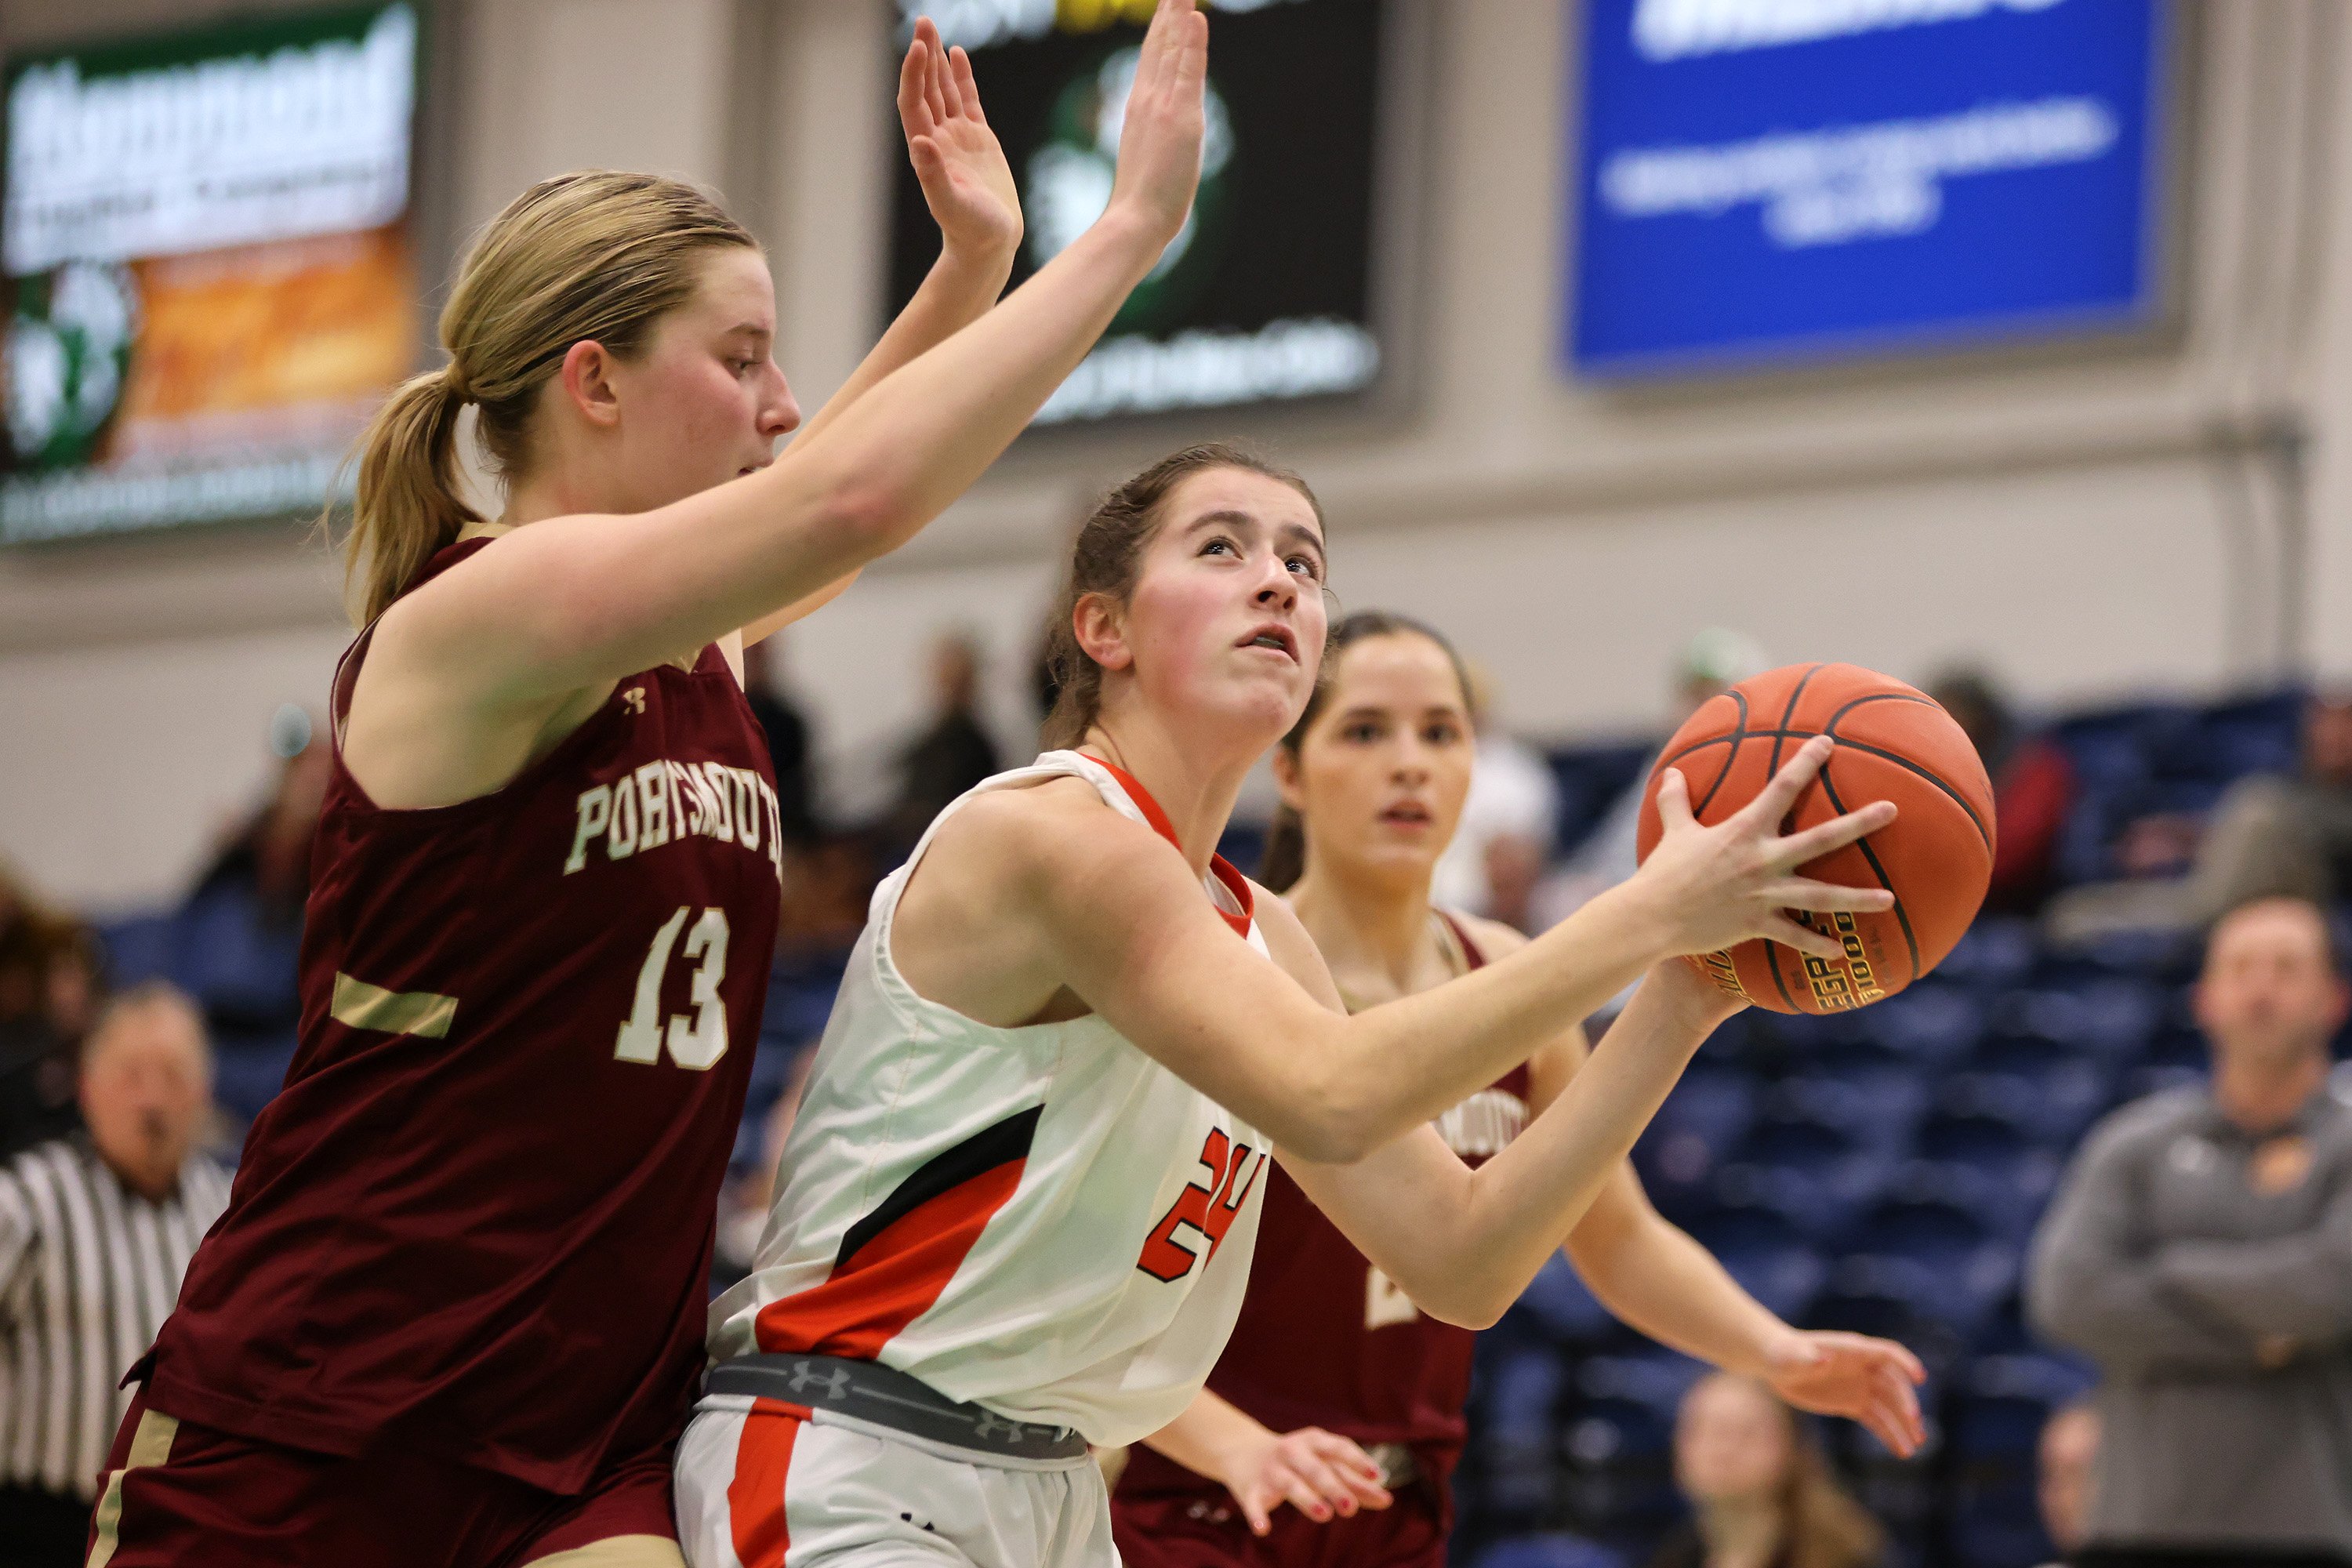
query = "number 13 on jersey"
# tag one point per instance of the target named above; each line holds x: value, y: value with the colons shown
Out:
x: 698, y: 1039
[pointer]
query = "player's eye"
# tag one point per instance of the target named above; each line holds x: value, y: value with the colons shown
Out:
x: 1363, y: 732
x: 1219, y: 545
x: 1444, y: 733
x: 1307, y: 566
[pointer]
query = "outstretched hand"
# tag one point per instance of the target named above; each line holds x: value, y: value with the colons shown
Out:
x: 1717, y: 886
x: 1160, y: 143
x: 966, y: 181
x: 1874, y: 1382
x: 1318, y: 1472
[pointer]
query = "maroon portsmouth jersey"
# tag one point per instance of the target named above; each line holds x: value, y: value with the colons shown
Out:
x: 477, y: 1221
x: 1326, y: 1340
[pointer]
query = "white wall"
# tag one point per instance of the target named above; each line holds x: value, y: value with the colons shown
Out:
x: 2086, y: 520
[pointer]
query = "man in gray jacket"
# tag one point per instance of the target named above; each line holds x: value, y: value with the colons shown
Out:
x: 2200, y: 1251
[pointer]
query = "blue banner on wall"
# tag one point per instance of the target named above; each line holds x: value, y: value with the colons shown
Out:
x: 1766, y: 182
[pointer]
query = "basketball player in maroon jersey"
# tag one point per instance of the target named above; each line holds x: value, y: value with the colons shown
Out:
x: 454, y: 1313
x: 1330, y: 1358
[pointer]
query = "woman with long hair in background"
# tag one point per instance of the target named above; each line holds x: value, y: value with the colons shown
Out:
x: 454, y: 1312
x: 1020, y: 1200
x: 1762, y: 1491
x: 1338, y: 1394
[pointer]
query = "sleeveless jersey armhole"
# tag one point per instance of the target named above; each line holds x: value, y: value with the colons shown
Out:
x: 882, y: 914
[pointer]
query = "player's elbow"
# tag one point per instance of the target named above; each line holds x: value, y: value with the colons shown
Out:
x: 1466, y: 1303
x: 1327, y: 1125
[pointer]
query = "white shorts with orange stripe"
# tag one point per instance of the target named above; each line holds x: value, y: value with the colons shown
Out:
x: 762, y: 1485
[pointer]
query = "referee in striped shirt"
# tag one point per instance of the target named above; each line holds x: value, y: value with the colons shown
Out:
x: 96, y: 1230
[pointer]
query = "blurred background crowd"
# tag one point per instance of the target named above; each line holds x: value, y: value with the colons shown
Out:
x: 1638, y: 345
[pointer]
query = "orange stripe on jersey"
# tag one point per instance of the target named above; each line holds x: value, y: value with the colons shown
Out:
x: 1218, y: 866
x: 892, y: 1278
x: 755, y: 1496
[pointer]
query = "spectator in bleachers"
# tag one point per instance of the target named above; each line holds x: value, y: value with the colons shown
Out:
x: 953, y: 753
x: 2200, y: 1251
x: 1715, y: 661
x: 1760, y: 1490
x: 267, y: 859
x: 96, y: 1230
x: 786, y: 727
x: 2069, y: 1452
x: 47, y: 986
x: 2033, y: 788
x: 2268, y: 835
x: 1499, y: 851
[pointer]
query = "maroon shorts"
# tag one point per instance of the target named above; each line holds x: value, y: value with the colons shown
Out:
x: 1205, y: 1531
x: 179, y: 1492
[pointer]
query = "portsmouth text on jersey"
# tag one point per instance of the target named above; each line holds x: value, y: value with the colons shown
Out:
x: 665, y: 802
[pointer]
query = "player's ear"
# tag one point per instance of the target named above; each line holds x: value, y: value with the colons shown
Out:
x: 586, y: 377
x: 1101, y: 627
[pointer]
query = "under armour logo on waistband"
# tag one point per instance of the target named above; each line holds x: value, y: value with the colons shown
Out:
x: 835, y: 1381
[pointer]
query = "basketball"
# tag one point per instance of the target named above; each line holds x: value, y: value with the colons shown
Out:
x: 1893, y: 743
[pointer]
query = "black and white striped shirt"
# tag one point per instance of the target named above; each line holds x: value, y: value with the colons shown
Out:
x: 88, y: 1271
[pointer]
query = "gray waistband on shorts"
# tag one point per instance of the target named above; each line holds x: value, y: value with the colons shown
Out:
x: 867, y: 1391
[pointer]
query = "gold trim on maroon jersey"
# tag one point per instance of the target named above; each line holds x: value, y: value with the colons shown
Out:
x: 424, y: 1014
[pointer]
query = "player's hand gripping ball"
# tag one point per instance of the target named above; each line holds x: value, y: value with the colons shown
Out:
x: 1893, y: 743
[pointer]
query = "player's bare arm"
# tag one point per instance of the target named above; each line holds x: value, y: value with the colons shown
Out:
x: 970, y: 189
x: 466, y: 674
x: 1654, y: 1278
x: 1463, y: 1243
x: 1088, y: 902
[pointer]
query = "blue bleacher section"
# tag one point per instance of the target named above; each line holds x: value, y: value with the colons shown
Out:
x: 1881, y: 1171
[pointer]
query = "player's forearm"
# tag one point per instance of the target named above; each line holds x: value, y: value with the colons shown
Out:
x: 1208, y: 1436
x: 1486, y: 1244
x: 1408, y: 1061
x: 585, y: 598
x: 957, y: 291
x: 1654, y: 1278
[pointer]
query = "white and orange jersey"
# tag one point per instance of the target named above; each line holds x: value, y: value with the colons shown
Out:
x: 1042, y: 1220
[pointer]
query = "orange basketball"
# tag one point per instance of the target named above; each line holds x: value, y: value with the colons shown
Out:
x: 1893, y: 743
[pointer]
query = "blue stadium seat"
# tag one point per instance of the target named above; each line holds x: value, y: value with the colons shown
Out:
x: 1932, y: 1024
x: 1619, y: 1440
x: 1997, y: 1412
x: 2112, y: 1019
x: 2006, y: 1192
x: 1244, y: 844
x: 2259, y: 734
x: 1879, y: 1106
x: 1996, y: 954
x: 1517, y: 1396
x: 1944, y: 1262
x: 2053, y: 1103
x: 1818, y: 1176
x: 1549, y: 1551
x: 238, y: 966
x: 800, y: 997
x: 1679, y: 1152
x: 1767, y: 1250
x: 1558, y: 1303
x: 137, y: 949
x: 250, y: 1068
x: 1591, y: 778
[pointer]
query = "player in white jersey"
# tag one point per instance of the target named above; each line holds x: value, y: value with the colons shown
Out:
x: 1017, y: 1210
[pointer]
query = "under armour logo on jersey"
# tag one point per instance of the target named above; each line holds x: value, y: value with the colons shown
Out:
x: 834, y: 1381
x: 990, y: 1426
x: 636, y: 698
x: 1209, y: 1208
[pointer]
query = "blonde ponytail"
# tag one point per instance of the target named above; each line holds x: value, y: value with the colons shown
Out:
x: 595, y: 256
x: 409, y: 505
